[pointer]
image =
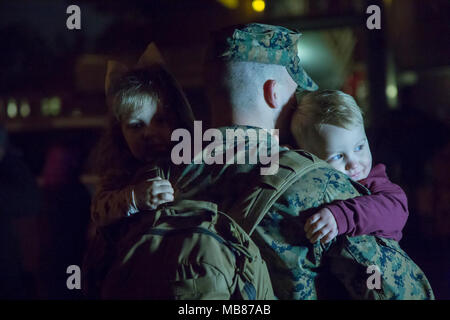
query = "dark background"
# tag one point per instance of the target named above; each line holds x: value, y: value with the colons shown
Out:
x: 52, y: 98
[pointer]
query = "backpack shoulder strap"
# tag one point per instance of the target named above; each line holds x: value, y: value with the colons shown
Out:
x: 254, y: 205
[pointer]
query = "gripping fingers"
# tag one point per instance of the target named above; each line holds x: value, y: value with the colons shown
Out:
x: 319, y: 234
x: 314, y: 228
x: 157, y: 183
x: 165, y: 197
x: 330, y: 236
x: 161, y: 189
x: 161, y: 198
x: 159, y: 186
x: 311, y: 221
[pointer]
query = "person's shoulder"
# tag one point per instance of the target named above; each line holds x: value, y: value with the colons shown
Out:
x: 313, y: 174
x: 323, y: 177
x: 320, y: 184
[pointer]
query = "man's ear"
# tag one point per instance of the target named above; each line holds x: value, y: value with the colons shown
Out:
x: 270, y: 94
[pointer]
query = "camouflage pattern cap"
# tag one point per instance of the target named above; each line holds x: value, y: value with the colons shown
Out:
x: 264, y: 44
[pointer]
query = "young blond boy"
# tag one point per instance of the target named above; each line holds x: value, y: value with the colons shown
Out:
x: 329, y: 124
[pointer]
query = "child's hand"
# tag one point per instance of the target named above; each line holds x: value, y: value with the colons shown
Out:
x: 149, y: 194
x: 321, y: 226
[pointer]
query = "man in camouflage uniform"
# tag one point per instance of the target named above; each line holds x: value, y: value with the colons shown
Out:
x: 252, y: 74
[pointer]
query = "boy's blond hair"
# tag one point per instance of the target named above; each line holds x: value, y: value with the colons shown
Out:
x: 332, y: 107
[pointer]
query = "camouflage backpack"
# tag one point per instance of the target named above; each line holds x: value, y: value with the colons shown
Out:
x: 189, y: 249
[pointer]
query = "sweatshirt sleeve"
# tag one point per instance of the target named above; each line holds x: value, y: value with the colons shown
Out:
x: 383, y: 213
x: 111, y: 205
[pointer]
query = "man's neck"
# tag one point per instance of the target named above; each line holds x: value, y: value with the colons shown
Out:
x: 241, y: 120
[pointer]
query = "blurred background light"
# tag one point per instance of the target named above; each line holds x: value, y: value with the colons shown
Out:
x: 11, y: 108
x: 54, y: 106
x: 391, y: 91
x: 258, y: 5
x: 51, y: 106
x: 408, y: 78
x: 326, y: 56
x: 230, y: 4
x: 391, y: 82
x: 25, y: 109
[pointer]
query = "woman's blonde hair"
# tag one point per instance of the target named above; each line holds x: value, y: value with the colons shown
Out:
x: 332, y: 107
x: 131, y: 91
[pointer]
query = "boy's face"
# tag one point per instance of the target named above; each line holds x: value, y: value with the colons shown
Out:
x: 346, y: 150
x: 147, y: 130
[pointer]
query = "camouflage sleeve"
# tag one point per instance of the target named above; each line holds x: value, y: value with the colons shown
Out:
x: 110, y: 205
x: 283, y: 225
x: 301, y: 270
x: 317, y: 187
x: 281, y: 237
x: 338, y: 187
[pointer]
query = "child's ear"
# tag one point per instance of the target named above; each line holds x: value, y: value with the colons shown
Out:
x: 270, y: 95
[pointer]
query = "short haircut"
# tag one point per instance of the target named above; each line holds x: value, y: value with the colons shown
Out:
x: 323, y: 107
x: 240, y: 82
